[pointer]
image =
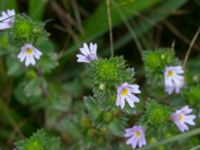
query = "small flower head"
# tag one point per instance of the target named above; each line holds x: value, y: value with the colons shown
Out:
x: 174, y: 79
x: 136, y: 136
x: 156, y: 116
x: 182, y: 118
x: 7, y: 19
x: 127, y: 91
x: 89, y: 53
x: 28, y: 54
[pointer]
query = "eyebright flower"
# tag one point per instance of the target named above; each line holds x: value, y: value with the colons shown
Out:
x: 7, y: 19
x: 174, y: 80
x: 89, y: 53
x: 181, y: 118
x: 127, y: 91
x: 29, y: 53
x: 136, y: 136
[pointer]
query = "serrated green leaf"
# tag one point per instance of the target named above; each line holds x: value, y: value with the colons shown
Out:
x: 92, y: 107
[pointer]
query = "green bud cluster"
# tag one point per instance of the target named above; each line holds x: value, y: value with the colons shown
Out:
x: 156, y: 116
x: 39, y: 141
x: 26, y: 30
x: 108, y: 74
x: 156, y: 61
x: 85, y: 122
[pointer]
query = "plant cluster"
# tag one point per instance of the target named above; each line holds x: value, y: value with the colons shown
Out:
x: 119, y: 106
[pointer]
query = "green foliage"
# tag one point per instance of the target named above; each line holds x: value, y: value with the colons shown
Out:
x: 193, y: 95
x: 85, y: 122
x: 156, y: 117
x: 129, y: 8
x: 98, y: 16
x: 39, y: 141
x: 4, y: 42
x: 30, y: 92
x: 192, y: 75
x: 92, y: 107
x: 36, y: 8
x: 103, y: 119
x: 14, y: 67
x: 9, y: 4
x: 48, y: 62
x: 108, y: 74
x: 28, y: 31
x: 156, y: 61
x: 42, y: 96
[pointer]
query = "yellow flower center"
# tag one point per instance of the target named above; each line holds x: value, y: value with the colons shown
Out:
x: 180, y: 117
x: 137, y: 134
x: 170, y: 73
x: 124, y: 92
x: 29, y: 51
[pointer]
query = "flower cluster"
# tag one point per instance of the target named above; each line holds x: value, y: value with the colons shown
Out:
x: 173, y: 81
x: 125, y: 91
x: 28, y: 52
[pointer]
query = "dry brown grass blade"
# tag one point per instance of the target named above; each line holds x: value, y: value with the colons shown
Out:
x: 180, y: 35
x: 190, y: 47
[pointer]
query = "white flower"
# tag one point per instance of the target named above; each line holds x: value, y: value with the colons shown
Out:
x: 88, y: 53
x: 182, y: 117
x: 127, y: 91
x: 174, y: 79
x: 7, y: 19
x: 136, y: 136
x: 29, y: 53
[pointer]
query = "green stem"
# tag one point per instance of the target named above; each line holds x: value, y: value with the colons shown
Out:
x: 110, y: 27
x: 173, y: 139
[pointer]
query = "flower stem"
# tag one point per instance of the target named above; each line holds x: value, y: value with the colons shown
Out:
x: 173, y: 139
x: 110, y: 27
x: 190, y: 47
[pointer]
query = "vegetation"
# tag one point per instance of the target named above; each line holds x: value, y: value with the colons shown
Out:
x: 99, y: 74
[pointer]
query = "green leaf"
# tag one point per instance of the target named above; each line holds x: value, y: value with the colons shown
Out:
x: 15, y: 68
x: 49, y: 59
x: 36, y: 8
x: 39, y: 141
x: 92, y: 107
x: 117, y: 126
x: 8, y: 4
x: 68, y: 126
x: 30, y: 91
x: 48, y: 62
